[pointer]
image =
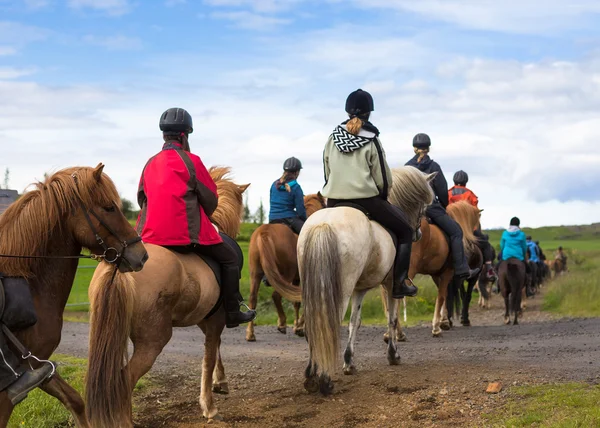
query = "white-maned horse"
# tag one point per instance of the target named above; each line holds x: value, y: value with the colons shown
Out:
x: 342, y: 254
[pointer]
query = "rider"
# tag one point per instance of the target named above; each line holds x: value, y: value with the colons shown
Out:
x: 533, y: 260
x: 356, y: 171
x: 541, y: 262
x: 512, y: 243
x: 287, y: 199
x: 560, y: 255
x: 177, y: 196
x: 437, y: 210
x: 459, y: 191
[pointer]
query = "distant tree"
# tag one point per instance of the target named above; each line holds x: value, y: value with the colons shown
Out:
x: 247, y: 215
x: 128, y: 208
x: 6, y: 178
x: 260, y: 215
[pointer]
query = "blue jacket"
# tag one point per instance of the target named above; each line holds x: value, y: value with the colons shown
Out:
x: 513, y: 244
x: 533, y: 252
x: 286, y: 204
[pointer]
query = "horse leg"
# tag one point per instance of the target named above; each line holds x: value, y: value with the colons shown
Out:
x: 6, y: 409
x: 436, y: 330
x: 281, y: 318
x: 384, y: 302
x: 466, y: 302
x: 69, y: 397
x: 255, y: 279
x: 357, y: 298
x: 220, y: 384
x: 311, y: 379
x: 392, y: 350
x: 298, y: 320
x: 212, y: 328
x: 507, y: 308
x: 400, y: 335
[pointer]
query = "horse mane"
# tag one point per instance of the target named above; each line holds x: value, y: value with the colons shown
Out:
x: 313, y: 203
x: 230, y: 209
x: 410, y: 191
x: 467, y: 216
x: 28, y: 224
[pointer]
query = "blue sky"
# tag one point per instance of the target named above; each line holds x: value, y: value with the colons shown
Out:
x: 508, y: 91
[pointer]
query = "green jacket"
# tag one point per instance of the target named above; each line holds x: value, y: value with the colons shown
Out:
x: 355, y: 166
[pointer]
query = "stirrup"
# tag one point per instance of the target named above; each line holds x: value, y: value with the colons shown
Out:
x: 31, y: 356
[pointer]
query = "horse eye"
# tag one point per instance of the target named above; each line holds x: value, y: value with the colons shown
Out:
x: 110, y: 209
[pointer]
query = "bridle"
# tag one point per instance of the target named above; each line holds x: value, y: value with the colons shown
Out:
x: 110, y: 255
x: 418, y: 234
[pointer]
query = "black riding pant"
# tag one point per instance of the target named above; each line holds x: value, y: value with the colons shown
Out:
x: 454, y: 232
x: 485, y: 246
x: 294, y: 223
x: 392, y: 218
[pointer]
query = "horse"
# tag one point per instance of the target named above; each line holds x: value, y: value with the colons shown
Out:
x: 272, y: 253
x: 41, y: 238
x: 431, y: 256
x: 485, y: 286
x: 173, y: 290
x: 343, y: 254
x: 512, y: 276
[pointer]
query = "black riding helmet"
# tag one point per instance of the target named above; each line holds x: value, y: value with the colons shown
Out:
x: 292, y: 165
x: 461, y: 178
x: 421, y: 141
x: 359, y: 103
x: 515, y: 221
x: 175, y: 121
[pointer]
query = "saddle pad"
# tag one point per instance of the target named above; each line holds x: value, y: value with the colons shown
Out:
x: 18, y: 311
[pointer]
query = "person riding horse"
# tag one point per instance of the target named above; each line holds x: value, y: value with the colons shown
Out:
x: 356, y: 172
x: 534, y: 259
x: 513, y: 247
x: 437, y: 210
x: 560, y: 255
x: 459, y: 192
x: 177, y: 196
x: 287, y: 199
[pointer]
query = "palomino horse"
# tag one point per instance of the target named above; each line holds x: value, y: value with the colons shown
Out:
x: 173, y: 290
x: 512, y: 276
x: 272, y: 253
x: 342, y: 254
x: 74, y: 208
x: 431, y: 256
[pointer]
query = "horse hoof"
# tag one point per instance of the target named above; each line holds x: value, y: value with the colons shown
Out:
x: 216, y: 417
x: 311, y: 384
x: 506, y: 321
x: 445, y: 326
x: 326, y: 385
x: 350, y: 370
x: 402, y: 338
x: 299, y: 332
x: 251, y: 338
x: 515, y: 322
x: 386, y: 338
x: 221, y: 388
x: 436, y: 333
x: 466, y: 323
x: 282, y: 330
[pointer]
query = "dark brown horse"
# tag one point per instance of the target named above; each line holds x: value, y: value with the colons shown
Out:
x: 511, y: 277
x: 273, y: 253
x: 52, y: 221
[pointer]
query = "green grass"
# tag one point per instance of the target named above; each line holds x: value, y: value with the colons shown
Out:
x: 40, y: 410
x: 561, y: 405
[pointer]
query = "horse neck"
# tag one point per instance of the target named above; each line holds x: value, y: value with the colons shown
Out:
x: 53, y: 278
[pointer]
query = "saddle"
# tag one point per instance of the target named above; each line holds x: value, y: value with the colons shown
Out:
x: 349, y: 204
x: 17, y: 311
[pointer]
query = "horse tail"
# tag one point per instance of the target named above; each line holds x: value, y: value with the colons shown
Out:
x: 108, y: 384
x: 268, y: 261
x: 464, y: 214
x: 320, y: 279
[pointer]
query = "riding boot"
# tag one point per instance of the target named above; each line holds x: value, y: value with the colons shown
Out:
x: 231, y: 294
x: 17, y: 381
x: 401, y: 265
x: 461, y: 267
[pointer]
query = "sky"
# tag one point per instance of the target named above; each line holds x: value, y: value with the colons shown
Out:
x: 508, y: 91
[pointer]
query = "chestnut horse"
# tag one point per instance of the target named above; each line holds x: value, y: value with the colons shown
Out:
x: 74, y: 208
x: 173, y: 290
x: 272, y: 254
x: 431, y: 256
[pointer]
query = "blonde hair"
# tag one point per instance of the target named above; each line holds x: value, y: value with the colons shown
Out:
x: 354, y: 125
x: 287, y: 177
x: 421, y: 152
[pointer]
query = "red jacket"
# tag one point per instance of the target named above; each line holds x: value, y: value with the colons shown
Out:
x: 177, y: 195
x: 461, y: 193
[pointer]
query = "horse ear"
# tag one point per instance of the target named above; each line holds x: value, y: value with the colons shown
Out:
x: 243, y: 187
x: 431, y: 176
x: 320, y: 196
x: 480, y: 211
x: 98, y: 171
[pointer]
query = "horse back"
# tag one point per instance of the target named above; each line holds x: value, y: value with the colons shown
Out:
x: 283, y: 247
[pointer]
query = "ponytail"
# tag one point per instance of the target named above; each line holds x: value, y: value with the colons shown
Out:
x: 285, y: 178
x: 421, y: 153
x: 354, y: 125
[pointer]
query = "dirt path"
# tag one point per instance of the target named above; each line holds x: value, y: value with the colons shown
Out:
x: 440, y: 382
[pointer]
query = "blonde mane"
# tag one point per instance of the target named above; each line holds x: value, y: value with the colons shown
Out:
x: 230, y: 210
x: 28, y: 224
x: 409, y: 187
x: 467, y: 216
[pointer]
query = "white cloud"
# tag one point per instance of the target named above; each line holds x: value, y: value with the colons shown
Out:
x: 110, y: 7
x: 15, y: 34
x: 513, y: 16
x: 250, y: 20
x: 114, y: 43
x: 7, y: 73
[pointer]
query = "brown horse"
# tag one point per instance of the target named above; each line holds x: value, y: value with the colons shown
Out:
x: 173, y: 290
x: 64, y: 214
x: 273, y: 253
x: 511, y: 277
x: 431, y: 256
